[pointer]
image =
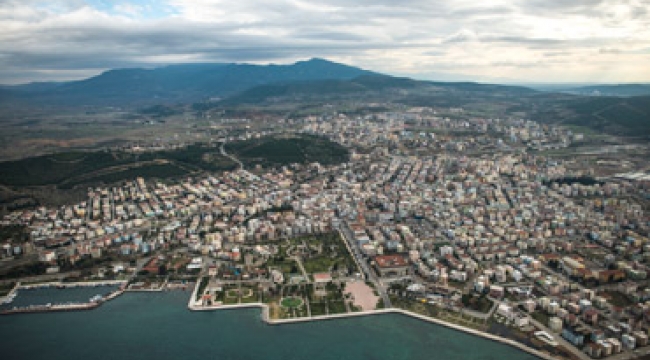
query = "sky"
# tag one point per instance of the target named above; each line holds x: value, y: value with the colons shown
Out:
x: 526, y: 41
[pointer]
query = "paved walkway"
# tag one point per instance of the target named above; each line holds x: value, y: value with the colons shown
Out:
x: 363, y: 295
x: 301, y: 267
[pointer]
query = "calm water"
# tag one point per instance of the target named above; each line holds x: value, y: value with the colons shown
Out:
x: 53, y: 295
x: 159, y: 326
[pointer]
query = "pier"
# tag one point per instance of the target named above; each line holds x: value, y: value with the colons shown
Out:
x: 48, y: 308
x: 59, y: 284
x: 69, y: 306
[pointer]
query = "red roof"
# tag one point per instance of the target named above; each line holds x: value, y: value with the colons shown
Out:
x: 322, y: 277
x: 390, y: 261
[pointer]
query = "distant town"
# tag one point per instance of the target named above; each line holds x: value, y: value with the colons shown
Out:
x: 473, y: 223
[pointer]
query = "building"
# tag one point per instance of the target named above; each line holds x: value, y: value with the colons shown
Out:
x: 320, y: 283
x: 573, y: 336
x: 571, y: 266
x: 391, y: 265
x: 628, y: 341
x: 555, y: 324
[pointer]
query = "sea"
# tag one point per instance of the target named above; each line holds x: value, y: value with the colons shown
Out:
x: 158, y: 326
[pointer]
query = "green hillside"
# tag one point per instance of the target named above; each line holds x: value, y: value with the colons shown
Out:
x: 271, y: 151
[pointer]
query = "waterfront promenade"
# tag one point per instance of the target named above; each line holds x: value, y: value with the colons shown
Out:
x: 268, y: 320
x: 194, y: 305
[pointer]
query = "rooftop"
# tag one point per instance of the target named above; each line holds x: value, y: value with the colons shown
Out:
x: 389, y: 261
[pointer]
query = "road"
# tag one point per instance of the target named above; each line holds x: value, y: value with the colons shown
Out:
x: 222, y: 149
x: 370, y: 275
x: 42, y: 278
x: 301, y: 267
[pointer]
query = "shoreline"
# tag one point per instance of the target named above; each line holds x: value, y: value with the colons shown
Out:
x: 194, y: 305
x: 265, y: 317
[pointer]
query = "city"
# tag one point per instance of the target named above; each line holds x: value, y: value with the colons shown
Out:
x: 467, y: 222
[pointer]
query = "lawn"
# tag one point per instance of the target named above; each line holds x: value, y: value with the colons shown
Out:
x: 334, y: 253
x: 317, y: 308
x: 320, y: 264
x: 336, y: 307
x: 291, y: 302
x: 249, y: 295
x: 284, y: 264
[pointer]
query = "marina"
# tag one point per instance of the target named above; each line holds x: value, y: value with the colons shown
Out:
x: 58, y: 296
x: 234, y: 334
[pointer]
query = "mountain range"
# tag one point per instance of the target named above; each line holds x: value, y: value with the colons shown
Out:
x: 175, y: 83
x: 623, y: 109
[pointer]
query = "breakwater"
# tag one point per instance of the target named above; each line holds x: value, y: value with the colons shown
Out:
x: 64, y: 285
x: 53, y: 304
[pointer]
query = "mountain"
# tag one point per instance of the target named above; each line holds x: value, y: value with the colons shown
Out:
x: 175, y: 83
x: 378, y: 87
x: 622, y: 90
x: 318, y: 81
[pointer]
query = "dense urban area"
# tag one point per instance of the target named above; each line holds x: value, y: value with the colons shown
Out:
x: 484, y: 223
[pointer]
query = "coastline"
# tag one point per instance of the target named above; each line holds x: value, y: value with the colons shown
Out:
x: 269, y: 321
x: 194, y: 305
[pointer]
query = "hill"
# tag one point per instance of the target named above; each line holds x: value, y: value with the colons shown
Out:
x: 621, y: 90
x: 379, y: 88
x: 69, y: 169
x: 276, y: 150
x: 288, y: 87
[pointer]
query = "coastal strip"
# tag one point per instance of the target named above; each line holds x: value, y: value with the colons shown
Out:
x: 162, y: 287
x: 66, y: 307
x: 266, y: 318
x: 60, y: 284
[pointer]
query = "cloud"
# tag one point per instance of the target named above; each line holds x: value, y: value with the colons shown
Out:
x: 73, y: 38
x: 464, y: 35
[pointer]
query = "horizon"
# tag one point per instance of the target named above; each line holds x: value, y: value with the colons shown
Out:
x: 160, y: 66
x: 550, y: 42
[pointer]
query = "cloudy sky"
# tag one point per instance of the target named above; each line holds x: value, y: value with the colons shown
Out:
x: 488, y: 40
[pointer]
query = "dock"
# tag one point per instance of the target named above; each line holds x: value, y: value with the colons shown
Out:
x: 70, y: 306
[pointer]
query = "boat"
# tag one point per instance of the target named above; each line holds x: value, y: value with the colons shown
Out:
x: 96, y: 298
